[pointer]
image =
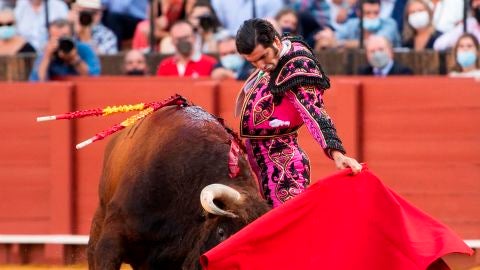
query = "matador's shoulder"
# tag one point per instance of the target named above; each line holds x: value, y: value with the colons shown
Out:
x: 297, y: 68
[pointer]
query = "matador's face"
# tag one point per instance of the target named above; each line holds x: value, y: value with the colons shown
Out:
x: 265, y: 59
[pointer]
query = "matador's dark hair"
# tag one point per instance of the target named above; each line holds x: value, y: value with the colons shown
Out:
x: 255, y: 32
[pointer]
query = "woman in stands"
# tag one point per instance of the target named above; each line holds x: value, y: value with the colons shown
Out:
x: 418, y: 31
x: 467, y: 57
x: 10, y: 42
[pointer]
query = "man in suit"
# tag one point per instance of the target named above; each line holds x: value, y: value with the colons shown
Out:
x: 380, y: 58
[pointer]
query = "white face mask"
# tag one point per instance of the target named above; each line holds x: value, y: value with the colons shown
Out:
x: 419, y: 20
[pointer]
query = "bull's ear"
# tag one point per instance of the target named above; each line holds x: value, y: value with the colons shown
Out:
x: 217, y: 194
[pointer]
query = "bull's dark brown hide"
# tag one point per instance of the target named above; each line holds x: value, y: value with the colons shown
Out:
x: 149, y: 214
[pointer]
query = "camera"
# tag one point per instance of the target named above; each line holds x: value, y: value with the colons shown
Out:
x: 207, y: 22
x: 66, y: 45
x: 85, y: 17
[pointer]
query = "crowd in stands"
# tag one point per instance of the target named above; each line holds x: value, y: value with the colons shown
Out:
x: 68, y: 36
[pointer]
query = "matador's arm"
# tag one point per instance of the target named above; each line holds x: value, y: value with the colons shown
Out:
x: 308, y: 102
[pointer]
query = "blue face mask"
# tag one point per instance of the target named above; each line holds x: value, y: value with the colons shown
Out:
x: 232, y: 61
x: 371, y: 25
x: 7, y: 32
x: 466, y: 58
x: 379, y: 59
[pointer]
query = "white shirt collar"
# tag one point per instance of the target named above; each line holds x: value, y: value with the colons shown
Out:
x: 286, y: 45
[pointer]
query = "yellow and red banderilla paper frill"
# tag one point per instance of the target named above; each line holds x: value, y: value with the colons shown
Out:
x: 342, y: 222
x: 144, y: 108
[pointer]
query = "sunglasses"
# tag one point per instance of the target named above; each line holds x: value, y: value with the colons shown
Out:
x: 6, y: 24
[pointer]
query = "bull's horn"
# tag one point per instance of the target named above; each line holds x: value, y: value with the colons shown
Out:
x: 218, y: 191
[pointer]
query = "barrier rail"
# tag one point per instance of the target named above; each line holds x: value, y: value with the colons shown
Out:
x: 64, y: 239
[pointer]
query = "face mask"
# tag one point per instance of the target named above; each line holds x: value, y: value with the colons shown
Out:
x: 379, y: 59
x: 371, y: 25
x: 232, y: 61
x: 7, y: 32
x: 419, y: 20
x: 184, y: 47
x: 466, y: 58
x: 136, y: 72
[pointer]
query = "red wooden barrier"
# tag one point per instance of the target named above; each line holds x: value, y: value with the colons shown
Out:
x: 421, y: 137
x: 36, y: 167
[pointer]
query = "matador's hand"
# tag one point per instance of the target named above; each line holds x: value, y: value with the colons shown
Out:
x: 342, y: 162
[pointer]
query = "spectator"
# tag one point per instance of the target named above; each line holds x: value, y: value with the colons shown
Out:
x: 313, y: 16
x: 86, y: 17
x: 232, y: 65
x: 63, y: 56
x: 448, y: 39
x: 341, y: 11
x: 467, y: 57
x: 380, y: 58
x: 10, y: 42
x: 135, y: 63
x: 447, y: 14
x: 186, y: 62
x: 418, y: 31
x: 31, y: 22
x: 166, y: 13
x: 325, y: 39
x: 349, y: 34
x: 122, y: 16
x: 287, y: 20
x: 206, y: 25
x: 233, y: 13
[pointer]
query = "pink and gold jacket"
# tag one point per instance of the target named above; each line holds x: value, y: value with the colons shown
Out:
x: 272, y: 107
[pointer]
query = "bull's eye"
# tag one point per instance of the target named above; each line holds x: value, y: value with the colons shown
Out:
x: 221, y: 234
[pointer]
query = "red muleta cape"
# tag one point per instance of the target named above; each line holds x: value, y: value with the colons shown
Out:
x: 342, y: 222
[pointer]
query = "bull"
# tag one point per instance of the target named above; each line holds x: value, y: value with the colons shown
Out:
x: 157, y: 175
